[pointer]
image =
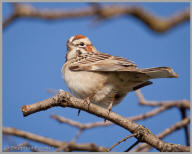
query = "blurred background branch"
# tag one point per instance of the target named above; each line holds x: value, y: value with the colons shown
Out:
x: 155, y: 23
x: 51, y: 142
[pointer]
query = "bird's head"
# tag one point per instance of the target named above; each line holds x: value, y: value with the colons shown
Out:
x: 77, y: 45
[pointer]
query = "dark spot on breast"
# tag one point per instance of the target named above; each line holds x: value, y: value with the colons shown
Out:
x: 79, y: 52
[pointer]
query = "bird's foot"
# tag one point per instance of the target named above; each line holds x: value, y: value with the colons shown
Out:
x: 87, y: 101
x: 109, y: 109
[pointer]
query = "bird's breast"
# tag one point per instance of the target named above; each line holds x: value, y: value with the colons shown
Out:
x: 82, y: 83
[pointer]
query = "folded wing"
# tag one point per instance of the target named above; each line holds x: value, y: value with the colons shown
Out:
x: 102, y: 62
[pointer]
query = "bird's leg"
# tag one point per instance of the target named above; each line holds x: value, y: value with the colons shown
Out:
x: 109, y: 108
x: 87, y: 101
x: 78, y: 112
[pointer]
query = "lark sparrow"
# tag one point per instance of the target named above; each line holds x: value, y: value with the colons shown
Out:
x: 101, y: 78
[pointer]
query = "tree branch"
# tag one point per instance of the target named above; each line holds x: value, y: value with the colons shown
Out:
x: 163, y: 107
x: 122, y: 140
x: 176, y: 126
x: 155, y: 23
x: 179, y: 104
x: 64, y: 99
x: 51, y: 142
x: 80, y: 125
x: 183, y: 116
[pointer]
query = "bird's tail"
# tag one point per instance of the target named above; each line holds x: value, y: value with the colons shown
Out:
x: 160, y: 72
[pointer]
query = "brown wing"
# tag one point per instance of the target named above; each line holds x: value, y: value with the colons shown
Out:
x: 102, y: 62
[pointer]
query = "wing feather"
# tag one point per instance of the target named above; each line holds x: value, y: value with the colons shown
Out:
x: 102, y: 62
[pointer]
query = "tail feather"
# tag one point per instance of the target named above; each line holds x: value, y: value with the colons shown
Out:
x: 160, y: 72
x: 142, y: 85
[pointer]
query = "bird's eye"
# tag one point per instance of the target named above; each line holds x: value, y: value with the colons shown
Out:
x: 82, y: 44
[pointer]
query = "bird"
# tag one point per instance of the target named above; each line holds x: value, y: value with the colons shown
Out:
x: 101, y: 78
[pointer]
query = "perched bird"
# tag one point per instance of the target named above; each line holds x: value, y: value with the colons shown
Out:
x: 101, y: 78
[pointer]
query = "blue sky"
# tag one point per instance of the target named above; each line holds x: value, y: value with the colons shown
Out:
x: 34, y: 52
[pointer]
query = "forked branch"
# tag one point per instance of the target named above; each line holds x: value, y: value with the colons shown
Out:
x: 64, y: 99
x: 145, y: 147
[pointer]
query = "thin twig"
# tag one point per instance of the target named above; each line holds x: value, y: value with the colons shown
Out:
x: 179, y: 104
x: 79, y: 132
x: 124, y: 139
x: 65, y: 147
x: 132, y: 146
x: 80, y: 125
